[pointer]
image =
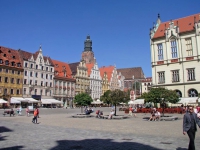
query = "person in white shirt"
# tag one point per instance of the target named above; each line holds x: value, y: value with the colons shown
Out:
x: 157, y: 115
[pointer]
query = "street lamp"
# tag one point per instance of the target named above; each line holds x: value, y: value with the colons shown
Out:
x: 134, y: 88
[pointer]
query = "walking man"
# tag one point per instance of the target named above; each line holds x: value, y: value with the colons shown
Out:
x: 35, y: 114
x: 189, y: 126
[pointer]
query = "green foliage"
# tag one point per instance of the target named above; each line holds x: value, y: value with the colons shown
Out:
x: 106, y: 97
x: 160, y: 95
x: 83, y: 99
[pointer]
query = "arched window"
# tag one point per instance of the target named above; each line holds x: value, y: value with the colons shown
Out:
x: 192, y: 93
x: 178, y: 92
x: 7, y: 62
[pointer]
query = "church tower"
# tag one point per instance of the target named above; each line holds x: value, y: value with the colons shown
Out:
x: 88, y: 54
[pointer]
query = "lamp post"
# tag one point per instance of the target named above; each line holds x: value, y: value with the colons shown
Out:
x: 134, y: 88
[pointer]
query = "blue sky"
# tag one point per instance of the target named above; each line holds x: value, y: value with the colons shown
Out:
x: 119, y: 29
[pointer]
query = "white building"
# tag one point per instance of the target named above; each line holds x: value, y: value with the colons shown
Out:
x: 175, y: 55
x: 38, y: 75
x: 95, y: 80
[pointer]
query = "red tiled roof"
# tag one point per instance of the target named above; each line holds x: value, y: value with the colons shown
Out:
x: 89, y: 66
x: 73, y: 67
x: 108, y: 70
x: 129, y: 72
x: 185, y: 24
x: 61, y: 67
x: 10, y: 55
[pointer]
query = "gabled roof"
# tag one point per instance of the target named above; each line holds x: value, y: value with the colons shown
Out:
x: 128, y: 73
x: 108, y: 70
x: 27, y: 55
x: 73, y: 67
x: 185, y: 24
x: 89, y: 66
x: 10, y: 55
x: 61, y: 68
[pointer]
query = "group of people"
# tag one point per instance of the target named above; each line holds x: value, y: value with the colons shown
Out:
x: 88, y: 110
x: 155, y: 115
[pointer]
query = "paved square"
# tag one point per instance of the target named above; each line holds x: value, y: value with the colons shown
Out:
x: 58, y: 130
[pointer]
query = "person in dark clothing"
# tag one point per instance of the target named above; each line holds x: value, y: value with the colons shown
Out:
x: 189, y: 126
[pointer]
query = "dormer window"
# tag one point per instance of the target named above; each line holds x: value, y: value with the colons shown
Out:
x: 7, y: 62
x: 13, y: 57
x: 18, y: 64
x: 1, y: 61
x: 9, y: 51
x: 4, y: 55
x: 13, y: 63
x: 56, y: 72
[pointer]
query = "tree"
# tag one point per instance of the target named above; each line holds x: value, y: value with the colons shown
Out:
x: 83, y: 99
x: 115, y: 97
x: 161, y: 95
x: 105, y: 97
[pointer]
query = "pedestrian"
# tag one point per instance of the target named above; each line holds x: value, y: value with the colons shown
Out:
x: 189, y: 126
x: 38, y: 112
x: 27, y: 111
x: 130, y: 111
x: 35, y: 116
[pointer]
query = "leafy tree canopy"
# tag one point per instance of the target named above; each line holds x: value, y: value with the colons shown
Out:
x: 83, y: 99
x: 106, y: 97
x: 160, y: 95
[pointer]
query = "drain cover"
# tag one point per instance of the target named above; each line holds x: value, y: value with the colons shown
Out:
x: 126, y: 139
x: 165, y: 143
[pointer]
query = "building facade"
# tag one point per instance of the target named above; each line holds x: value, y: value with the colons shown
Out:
x: 38, y: 75
x: 175, y: 49
x: 80, y: 73
x: 121, y: 79
x: 11, y: 74
x: 64, y: 84
x: 146, y: 85
x: 95, y: 80
x: 105, y: 83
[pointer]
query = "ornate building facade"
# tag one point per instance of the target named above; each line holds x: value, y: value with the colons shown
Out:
x: 80, y: 73
x: 11, y: 74
x: 146, y: 84
x: 95, y: 80
x: 121, y: 79
x: 175, y: 49
x: 64, y: 84
x: 105, y: 83
x: 38, y: 75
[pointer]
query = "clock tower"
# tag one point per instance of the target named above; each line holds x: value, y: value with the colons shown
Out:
x: 88, y: 54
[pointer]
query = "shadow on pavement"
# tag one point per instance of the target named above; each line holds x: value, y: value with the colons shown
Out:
x: 4, y: 129
x: 104, y: 144
x: 12, y: 148
x: 180, y: 148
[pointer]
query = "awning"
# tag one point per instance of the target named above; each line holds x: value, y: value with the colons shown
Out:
x: 97, y: 102
x: 14, y: 101
x: 188, y: 100
x: 50, y: 101
x: 21, y: 99
x: 137, y: 101
x: 2, y: 101
x: 32, y: 100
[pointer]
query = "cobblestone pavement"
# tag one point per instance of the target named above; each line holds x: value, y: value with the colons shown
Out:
x: 58, y: 130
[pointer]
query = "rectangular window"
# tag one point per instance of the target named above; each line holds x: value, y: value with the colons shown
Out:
x: 6, y: 79
x: 191, y: 74
x: 36, y: 66
x: 35, y: 82
x: 46, y: 76
x: 7, y: 71
x: 42, y: 68
x: 0, y: 79
x: 50, y: 84
x: 25, y: 73
x: 31, y: 65
x: 30, y: 82
x: 31, y: 74
x: 1, y: 61
x: 175, y: 76
x: 26, y: 65
x: 41, y: 83
x: 18, y: 92
x: 36, y: 74
x: 51, y: 77
x: 160, y: 51
x: 18, y: 72
x: 13, y: 71
x: 42, y: 75
x: 161, y: 77
x: 174, y: 49
x: 188, y: 42
x: 51, y: 69
x: 46, y: 83
x: 46, y: 68
x: 1, y: 69
x: 41, y: 92
x: 25, y: 81
x: 35, y: 91
x: 18, y: 81
x: 24, y: 90
x: 11, y: 91
x: 12, y: 80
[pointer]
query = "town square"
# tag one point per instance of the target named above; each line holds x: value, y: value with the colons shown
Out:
x: 95, y: 75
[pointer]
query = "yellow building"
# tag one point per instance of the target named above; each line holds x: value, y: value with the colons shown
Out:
x: 105, y: 83
x: 80, y: 73
x: 11, y: 74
